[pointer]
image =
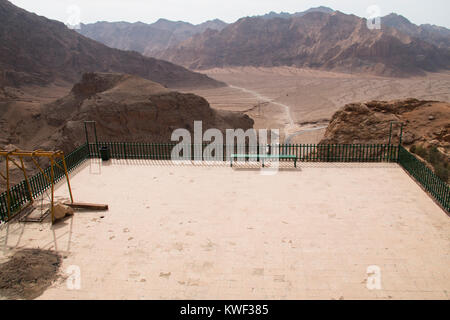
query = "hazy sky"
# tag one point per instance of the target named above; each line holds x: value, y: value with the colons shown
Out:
x: 197, y: 11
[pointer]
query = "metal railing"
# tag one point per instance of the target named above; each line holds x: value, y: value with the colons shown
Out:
x: 437, y: 188
x: 303, y: 152
x: 38, y: 183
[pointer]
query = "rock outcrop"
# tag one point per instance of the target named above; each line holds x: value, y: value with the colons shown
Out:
x: 426, y: 123
x: 127, y: 109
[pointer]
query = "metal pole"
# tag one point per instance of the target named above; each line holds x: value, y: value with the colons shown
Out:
x: 95, y: 133
x: 390, y: 134
x: 67, y: 177
x: 86, y: 133
x: 96, y: 139
x: 40, y: 169
x: 401, y: 131
x: 8, y: 193
x: 26, y: 179
x: 53, y: 188
x: 401, y: 135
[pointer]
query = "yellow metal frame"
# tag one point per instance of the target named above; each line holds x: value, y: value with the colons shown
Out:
x: 51, y: 155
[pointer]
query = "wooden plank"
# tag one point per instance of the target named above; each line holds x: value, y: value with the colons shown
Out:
x: 89, y: 206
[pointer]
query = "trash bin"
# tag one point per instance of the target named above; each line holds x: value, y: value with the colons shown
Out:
x: 105, y: 153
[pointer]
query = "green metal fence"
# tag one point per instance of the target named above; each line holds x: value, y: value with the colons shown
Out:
x: 303, y: 152
x: 437, y: 188
x: 38, y: 183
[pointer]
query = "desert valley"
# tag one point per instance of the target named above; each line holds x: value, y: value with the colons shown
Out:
x: 321, y: 77
x: 286, y: 94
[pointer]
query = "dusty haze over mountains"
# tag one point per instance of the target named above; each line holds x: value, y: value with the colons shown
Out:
x: 36, y: 50
x: 317, y: 38
x: 147, y: 39
x: 125, y: 107
x: 286, y: 71
x: 150, y: 39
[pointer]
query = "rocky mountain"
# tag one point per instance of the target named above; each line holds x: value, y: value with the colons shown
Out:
x: 426, y: 130
x: 146, y: 38
x: 126, y: 108
x: 286, y: 15
x: 425, y: 123
x: 438, y: 36
x: 36, y: 50
x: 331, y: 41
x: 151, y: 39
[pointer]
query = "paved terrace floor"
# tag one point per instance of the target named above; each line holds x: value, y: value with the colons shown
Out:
x: 212, y: 232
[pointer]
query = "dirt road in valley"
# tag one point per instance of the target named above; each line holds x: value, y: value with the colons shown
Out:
x: 293, y: 99
x: 290, y: 121
x: 291, y: 129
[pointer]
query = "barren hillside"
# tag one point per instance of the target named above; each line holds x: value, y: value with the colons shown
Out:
x: 320, y: 40
x: 426, y: 122
x: 126, y: 108
x: 426, y: 128
x: 146, y: 38
x: 39, y: 51
x: 438, y: 36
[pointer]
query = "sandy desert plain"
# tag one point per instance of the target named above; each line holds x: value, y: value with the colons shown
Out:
x: 294, y: 99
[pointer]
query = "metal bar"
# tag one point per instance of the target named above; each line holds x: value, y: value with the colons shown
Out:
x: 401, y: 134
x: 8, y: 191
x: 26, y: 179
x: 86, y: 133
x: 67, y: 178
x: 390, y: 134
x: 40, y: 169
x: 37, y: 153
x: 53, y: 189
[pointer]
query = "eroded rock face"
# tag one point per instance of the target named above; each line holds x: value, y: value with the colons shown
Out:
x: 36, y: 50
x: 323, y: 40
x: 93, y: 83
x: 425, y: 123
x: 145, y: 38
x: 127, y: 109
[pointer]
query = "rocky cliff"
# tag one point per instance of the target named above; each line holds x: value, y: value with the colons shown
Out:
x: 127, y: 109
x: 37, y: 51
x: 329, y: 41
x: 426, y: 130
x: 146, y: 38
